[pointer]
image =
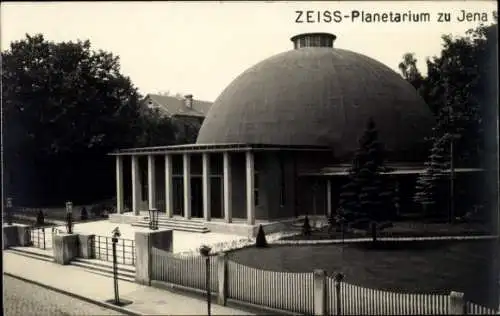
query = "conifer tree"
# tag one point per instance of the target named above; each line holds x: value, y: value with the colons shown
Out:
x: 367, y: 193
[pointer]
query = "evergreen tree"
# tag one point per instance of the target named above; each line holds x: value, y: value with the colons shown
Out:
x: 260, y: 240
x: 428, y: 183
x: 367, y: 194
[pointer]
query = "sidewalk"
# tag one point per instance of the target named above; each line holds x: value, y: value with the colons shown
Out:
x: 146, y: 300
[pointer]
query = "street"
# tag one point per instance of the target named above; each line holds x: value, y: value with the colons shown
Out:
x: 22, y: 298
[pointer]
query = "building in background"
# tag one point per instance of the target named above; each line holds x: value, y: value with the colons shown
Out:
x: 277, y: 142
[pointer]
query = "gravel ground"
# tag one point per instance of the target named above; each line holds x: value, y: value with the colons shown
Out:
x: 21, y: 298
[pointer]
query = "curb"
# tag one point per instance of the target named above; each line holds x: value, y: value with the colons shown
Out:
x: 119, y: 309
x: 367, y: 239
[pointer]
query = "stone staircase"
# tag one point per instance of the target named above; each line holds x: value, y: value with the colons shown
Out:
x: 104, y: 268
x: 176, y: 223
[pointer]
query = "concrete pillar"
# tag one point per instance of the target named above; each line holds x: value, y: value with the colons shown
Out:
x: 169, y: 196
x: 151, y: 182
x: 162, y: 242
x: 250, y: 187
x: 456, y: 304
x: 329, y: 197
x: 319, y: 285
x: 119, y: 185
x: 223, y: 282
x: 136, y: 186
x: 206, y: 186
x: 186, y: 163
x: 65, y: 248
x: 228, y: 212
x: 86, y: 246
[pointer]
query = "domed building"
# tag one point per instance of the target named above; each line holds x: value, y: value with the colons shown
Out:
x: 278, y: 140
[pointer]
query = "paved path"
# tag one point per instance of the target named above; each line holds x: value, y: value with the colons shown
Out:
x: 146, y: 300
x: 22, y: 298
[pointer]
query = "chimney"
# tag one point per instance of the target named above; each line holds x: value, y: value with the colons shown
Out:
x: 305, y: 40
x: 188, y: 100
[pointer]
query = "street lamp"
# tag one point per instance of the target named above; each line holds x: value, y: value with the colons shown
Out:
x: 205, y: 252
x: 116, y: 234
x: 153, y: 218
x: 69, y: 217
x: 8, y: 211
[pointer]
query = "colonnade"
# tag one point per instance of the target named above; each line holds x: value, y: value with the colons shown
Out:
x: 186, y: 162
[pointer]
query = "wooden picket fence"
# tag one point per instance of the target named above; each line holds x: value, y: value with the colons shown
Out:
x: 186, y: 271
x: 295, y: 292
x: 475, y: 309
x: 357, y: 300
x: 280, y: 290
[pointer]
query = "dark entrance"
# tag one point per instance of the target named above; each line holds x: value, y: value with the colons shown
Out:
x: 196, y: 197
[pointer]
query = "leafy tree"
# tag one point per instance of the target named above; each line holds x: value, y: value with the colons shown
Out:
x: 367, y: 194
x: 65, y: 107
x: 409, y: 70
x: 464, y: 70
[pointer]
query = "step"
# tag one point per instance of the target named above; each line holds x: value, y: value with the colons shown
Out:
x: 31, y: 255
x: 107, y: 264
x: 172, y: 223
x: 120, y: 277
x: 175, y: 227
x: 195, y: 220
x: 102, y: 269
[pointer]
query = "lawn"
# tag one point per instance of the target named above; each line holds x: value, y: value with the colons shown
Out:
x: 414, y: 267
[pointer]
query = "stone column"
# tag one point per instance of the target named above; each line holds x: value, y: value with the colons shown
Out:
x: 319, y: 284
x: 119, y: 184
x: 250, y: 187
x: 206, y: 186
x: 187, y: 185
x: 147, y: 245
x: 456, y: 304
x: 169, y: 196
x: 151, y: 182
x: 228, y: 212
x: 329, y: 197
x: 136, y: 186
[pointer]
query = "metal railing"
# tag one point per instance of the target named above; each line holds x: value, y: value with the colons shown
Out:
x: 125, y: 250
x: 38, y: 237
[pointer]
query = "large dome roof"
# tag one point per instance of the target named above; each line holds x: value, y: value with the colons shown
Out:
x: 318, y: 95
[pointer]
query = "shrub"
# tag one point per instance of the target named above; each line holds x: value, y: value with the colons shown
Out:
x: 40, y: 218
x: 306, y: 228
x: 84, y: 215
x: 260, y: 241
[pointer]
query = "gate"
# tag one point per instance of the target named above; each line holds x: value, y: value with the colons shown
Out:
x: 125, y: 250
x: 38, y: 237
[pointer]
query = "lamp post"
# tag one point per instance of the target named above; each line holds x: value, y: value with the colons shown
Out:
x: 69, y: 217
x: 8, y: 211
x: 338, y: 280
x: 205, y: 252
x: 116, y: 234
x: 153, y: 218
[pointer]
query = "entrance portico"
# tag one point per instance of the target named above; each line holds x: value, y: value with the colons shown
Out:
x: 227, y: 184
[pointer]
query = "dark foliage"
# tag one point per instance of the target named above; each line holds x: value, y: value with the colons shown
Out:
x: 84, y: 214
x: 261, y: 241
x: 368, y: 193
x: 306, y: 228
x: 40, y: 218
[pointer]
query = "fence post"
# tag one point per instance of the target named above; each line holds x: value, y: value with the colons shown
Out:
x: 457, y: 303
x: 319, y: 284
x: 223, y: 281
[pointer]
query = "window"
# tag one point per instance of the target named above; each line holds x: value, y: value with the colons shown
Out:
x: 256, y: 188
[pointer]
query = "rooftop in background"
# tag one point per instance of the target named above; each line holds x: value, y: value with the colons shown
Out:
x: 178, y: 106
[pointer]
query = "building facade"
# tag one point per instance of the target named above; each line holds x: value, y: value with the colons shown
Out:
x: 277, y: 142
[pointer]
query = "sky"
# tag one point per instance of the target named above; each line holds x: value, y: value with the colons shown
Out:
x: 200, y: 47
